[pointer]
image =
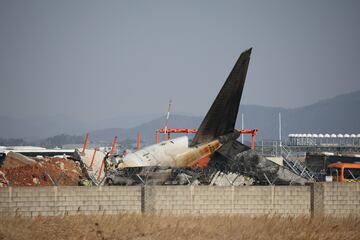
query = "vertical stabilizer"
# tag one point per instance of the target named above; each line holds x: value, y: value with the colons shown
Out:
x: 221, y: 117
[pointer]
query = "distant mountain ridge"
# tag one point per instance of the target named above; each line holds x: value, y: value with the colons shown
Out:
x: 340, y: 114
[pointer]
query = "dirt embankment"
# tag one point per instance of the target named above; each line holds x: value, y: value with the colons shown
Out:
x: 39, y: 172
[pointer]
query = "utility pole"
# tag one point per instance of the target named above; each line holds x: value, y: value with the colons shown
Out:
x: 167, y: 118
x: 280, y: 128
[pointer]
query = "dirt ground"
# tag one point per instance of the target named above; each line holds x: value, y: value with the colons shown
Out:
x: 45, y: 172
x: 170, y: 227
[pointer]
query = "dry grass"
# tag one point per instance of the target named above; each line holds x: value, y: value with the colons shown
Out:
x: 169, y: 227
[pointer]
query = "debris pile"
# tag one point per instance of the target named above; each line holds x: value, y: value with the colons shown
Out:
x: 19, y: 170
x: 231, y: 179
x: 259, y: 168
x: 14, y: 159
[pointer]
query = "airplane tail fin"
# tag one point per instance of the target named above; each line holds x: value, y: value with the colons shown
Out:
x: 221, y: 117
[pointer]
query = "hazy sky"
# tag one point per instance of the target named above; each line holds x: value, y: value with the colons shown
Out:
x: 129, y: 57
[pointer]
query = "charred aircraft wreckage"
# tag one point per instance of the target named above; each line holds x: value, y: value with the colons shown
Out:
x: 215, y: 146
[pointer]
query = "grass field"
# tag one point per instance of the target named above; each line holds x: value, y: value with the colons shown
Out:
x: 170, y: 227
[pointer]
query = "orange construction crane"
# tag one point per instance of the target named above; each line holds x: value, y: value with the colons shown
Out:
x: 173, y: 130
x: 253, y: 132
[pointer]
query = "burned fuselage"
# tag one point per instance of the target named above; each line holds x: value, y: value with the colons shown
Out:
x: 174, y: 153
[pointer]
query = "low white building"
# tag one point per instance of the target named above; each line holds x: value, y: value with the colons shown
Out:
x: 323, y: 139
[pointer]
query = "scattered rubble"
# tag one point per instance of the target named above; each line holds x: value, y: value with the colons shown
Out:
x: 91, y: 163
x: 19, y: 170
x: 259, y: 168
x: 14, y: 159
x: 247, y: 168
x: 231, y: 179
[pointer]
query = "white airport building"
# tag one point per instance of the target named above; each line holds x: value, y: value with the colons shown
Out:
x: 324, y: 139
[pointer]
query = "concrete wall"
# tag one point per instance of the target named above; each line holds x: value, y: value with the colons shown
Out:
x: 251, y: 200
x: 336, y: 199
x: 316, y: 199
x: 53, y: 201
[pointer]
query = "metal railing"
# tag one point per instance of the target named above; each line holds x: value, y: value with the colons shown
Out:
x: 296, y: 166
